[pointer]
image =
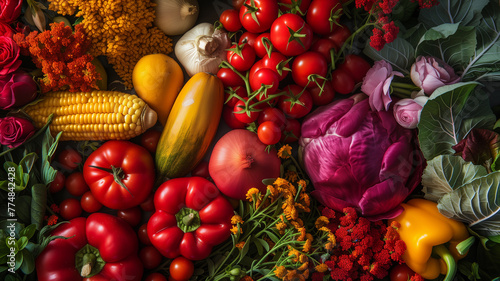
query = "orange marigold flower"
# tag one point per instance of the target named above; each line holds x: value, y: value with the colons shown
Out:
x: 304, y: 197
x: 240, y: 245
x: 303, y: 258
x: 234, y: 230
x: 285, y: 151
x: 309, y: 237
x: 296, y: 254
x: 321, y: 267
x: 304, y: 266
x: 321, y: 222
x: 329, y: 246
x: 307, y: 246
x: 332, y: 239
x: 302, y: 231
x: 280, y: 271
x: 252, y: 191
x: 281, y: 182
x: 236, y: 219
x: 281, y: 226
x: 291, y: 213
x: 291, y: 176
x: 302, y: 183
x: 294, y: 275
x: 246, y: 278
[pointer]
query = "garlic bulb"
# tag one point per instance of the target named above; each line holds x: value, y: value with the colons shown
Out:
x: 202, y: 49
x: 174, y: 17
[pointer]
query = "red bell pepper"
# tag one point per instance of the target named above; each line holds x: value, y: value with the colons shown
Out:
x: 100, y: 247
x: 191, y: 217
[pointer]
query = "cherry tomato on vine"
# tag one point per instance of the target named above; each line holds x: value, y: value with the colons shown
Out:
x: 269, y: 133
x: 291, y: 35
x: 150, y: 257
x: 230, y: 118
x: 132, y: 215
x: 297, y: 103
x: 323, y: 46
x: 294, y: 5
x: 249, y: 38
x: 322, y: 97
x: 89, y: 203
x: 149, y: 139
x: 256, y: 67
x: 155, y: 276
x: 181, y: 269
x: 230, y: 20
x: 278, y: 63
x: 247, y: 116
x: 291, y: 133
x: 342, y: 82
x: 323, y: 15
x: 230, y: 94
x: 241, y: 57
x: 237, y: 4
x: 261, y: 42
x: 58, y: 183
x: 260, y: 16
x: 339, y: 35
x: 75, y: 184
x: 356, y: 66
x: 201, y: 170
x: 309, y: 63
x: 265, y: 77
x: 274, y: 115
x: 230, y: 78
x: 70, y: 208
x: 401, y: 272
x: 69, y: 158
x: 142, y: 234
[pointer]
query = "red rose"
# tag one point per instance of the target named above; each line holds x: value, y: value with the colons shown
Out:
x: 14, y: 131
x: 9, y: 55
x: 17, y: 89
x: 6, y: 30
x: 10, y: 10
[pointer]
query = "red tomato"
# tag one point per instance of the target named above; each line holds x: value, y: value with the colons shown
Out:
x: 249, y: 38
x: 142, y: 234
x: 230, y: 78
x: 291, y: 35
x: 322, y: 97
x: 230, y: 20
x: 58, y: 183
x: 70, y: 208
x: 307, y: 64
x: 247, y: 116
x: 291, y: 133
x: 132, y: 215
x: 148, y: 204
x: 150, y: 257
x: 323, y: 15
x: 69, y: 158
x: 237, y: 4
x: 117, y: 181
x: 294, y: 6
x: 181, y: 269
x: 339, y: 35
x: 323, y: 46
x: 401, y: 272
x: 265, y: 77
x: 356, y: 66
x: 230, y: 94
x: 149, y: 139
x: 241, y: 57
x: 155, y: 276
x: 297, y: 103
x: 230, y: 118
x: 269, y: 133
x: 256, y: 67
x: 89, y: 203
x: 260, y: 16
x: 274, y: 115
x: 201, y: 170
x: 342, y: 82
x: 75, y: 184
x: 261, y: 43
x: 278, y: 63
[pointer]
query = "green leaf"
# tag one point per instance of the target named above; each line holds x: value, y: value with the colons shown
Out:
x: 468, y: 13
x: 211, y: 267
x: 49, y: 146
x: 9, y: 226
x: 476, y: 203
x: 445, y: 173
x: 449, y: 115
x: 245, y: 249
x: 272, y: 236
x: 413, y: 34
x: 23, y: 205
x: 28, y: 231
x: 28, y: 265
x: 399, y: 53
x: 21, y: 243
x: 19, y: 260
x: 28, y: 161
x: 453, y: 43
x: 495, y: 238
x: 38, y: 204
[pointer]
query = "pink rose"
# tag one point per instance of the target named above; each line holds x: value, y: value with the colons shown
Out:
x: 430, y: 73
x: 376, y: 84
x: 407, y: 111
x: 17, y: 89
x: 6, y: 30
x: 10, y: 10
x: 15, y: 131
x: 9, y: 55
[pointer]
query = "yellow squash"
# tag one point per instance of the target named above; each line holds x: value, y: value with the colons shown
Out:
x: 157, y: 79
x: 190, y: 127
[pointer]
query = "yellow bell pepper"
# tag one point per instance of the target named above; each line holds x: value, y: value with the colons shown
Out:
x: 431, y: 239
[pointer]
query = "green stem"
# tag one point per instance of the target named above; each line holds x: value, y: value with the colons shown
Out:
x: 465, y: 245
x: 445, y: 254
x: 401, y: 85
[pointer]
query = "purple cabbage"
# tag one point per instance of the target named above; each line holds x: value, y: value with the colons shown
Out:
x: 359, y: 158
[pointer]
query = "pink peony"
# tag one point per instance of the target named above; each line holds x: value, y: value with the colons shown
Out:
x: 10, y: 10
x: 430, y: 73
x: 15, y: 131
x: 376, y: 85
x: 407, y: 111
x: 9, y: 55
x: 16, y: 89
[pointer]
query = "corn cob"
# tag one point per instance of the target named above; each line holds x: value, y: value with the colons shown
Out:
x: 98, y: 115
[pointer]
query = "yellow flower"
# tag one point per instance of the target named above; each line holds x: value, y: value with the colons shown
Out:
x: 321, y: 267
x: 251, y: 192
x: 321, y: 222
x: 331, y: 238
x: 285, y: 151
x: 302, y: 235
x: 307, y: 246
x: 236, y: 219
x: 234, y: 230
x: 304, y: 266
x: 280, y: 272
x: 325, y: 229
x: 280, y: 182
x: 240, y: 245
